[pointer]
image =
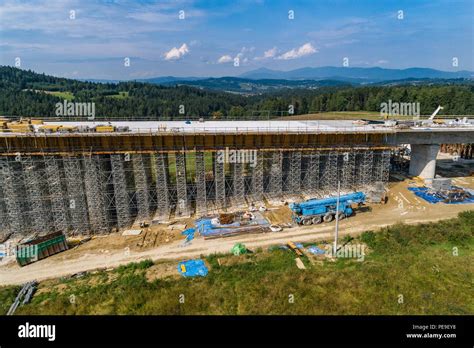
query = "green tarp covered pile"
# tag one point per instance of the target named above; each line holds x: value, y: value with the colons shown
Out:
x: 238, y: 249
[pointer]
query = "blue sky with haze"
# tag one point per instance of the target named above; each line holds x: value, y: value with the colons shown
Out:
x: 214, y: 34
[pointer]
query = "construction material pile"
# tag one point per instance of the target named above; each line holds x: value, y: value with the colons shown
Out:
x: 238, y: 223
x: 24, y: 296
x: 443, y: 191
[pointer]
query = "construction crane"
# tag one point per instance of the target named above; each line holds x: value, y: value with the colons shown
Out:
x: 431, y: 120
x: 433, y: 115
x: 315, y: 211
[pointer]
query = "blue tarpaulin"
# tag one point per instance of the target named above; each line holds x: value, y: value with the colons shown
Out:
x: 189, y: 233
x: 433, y: 198
x: 313, y: 249
x: 193, y: 268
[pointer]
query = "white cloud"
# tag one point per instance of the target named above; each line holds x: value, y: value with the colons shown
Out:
x: 382, y: 61
x: 268, y: 54
x: 176, y: 53
x: 225, y: 59
x: 302, y: 51
x: 242, y: 56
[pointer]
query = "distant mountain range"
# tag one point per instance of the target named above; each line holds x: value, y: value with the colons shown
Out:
x: 360, y: 75
x: 250, y: 86
x: 266, y: 80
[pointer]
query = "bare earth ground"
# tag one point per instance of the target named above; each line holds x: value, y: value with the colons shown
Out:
x: 114, y: 250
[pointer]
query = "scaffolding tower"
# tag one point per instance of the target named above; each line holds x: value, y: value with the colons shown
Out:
x: 276, y: 179
x: 366, y: 168
x: 162, y: 186
x: 77, y: 202
x: 219, y: 180
x: 182, y: 205
x: 122, y: 205
x: 312, y: 173
x: 10, y: 185
x: 142, y: 180
x: 36, y: 194
x: 57, y: 194
x: 201, y: 200
x: 294, y: 175
x: 96, y: 193
x: 257, y: 178
x: 348, y: 170
x: 238, y: 181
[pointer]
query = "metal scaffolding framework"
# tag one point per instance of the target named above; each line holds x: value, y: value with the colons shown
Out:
x: 121, y: 196
x: 257, y: 178
x: 219, y: 180
x: 82, y: 193
x: 141, y: 171
x: 330, y: 172
x: 294, y: 175
x: 12, y: 197
x: 312, y: 172
x: 348, y: 170
x: 76, y: 195
x: 162, y: 186
x: 366, y: 168
x: 238, y: 183
x: 201, y: 197
x: 57, y: 194
x: 276, y: 174
x: 182, y: 205
x: 36, y: 193
x: 96, y: 194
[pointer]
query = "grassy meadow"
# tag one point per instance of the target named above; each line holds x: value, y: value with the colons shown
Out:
x: 416, y: 269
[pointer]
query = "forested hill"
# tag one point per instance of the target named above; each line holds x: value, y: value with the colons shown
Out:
x: 26, y: 93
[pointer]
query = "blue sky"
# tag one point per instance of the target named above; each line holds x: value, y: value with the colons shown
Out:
x: 215, y: 34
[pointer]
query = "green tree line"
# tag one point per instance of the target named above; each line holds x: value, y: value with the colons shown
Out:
x: 26, y: 93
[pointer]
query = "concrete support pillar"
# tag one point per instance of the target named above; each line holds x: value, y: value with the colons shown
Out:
x: 423, y: 161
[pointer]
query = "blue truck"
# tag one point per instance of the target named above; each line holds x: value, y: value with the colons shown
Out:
x: 315, y: 211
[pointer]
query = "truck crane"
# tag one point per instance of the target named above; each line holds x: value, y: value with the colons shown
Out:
x: 315, y: 211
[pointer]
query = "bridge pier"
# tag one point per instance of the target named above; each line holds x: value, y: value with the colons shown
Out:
x: 423, y: 161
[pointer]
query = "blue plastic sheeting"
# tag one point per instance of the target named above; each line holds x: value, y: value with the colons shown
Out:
x: 315, y: 250
x: 189, y: 233
x: 194, y: 268
x: 423, y: 192
x: 299, y: 245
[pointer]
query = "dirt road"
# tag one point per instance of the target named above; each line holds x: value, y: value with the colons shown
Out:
x: 403, y: 206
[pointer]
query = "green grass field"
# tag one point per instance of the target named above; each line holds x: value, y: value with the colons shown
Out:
x: 119, y: 95
x: 420, y: 269
x: 63, y: 95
